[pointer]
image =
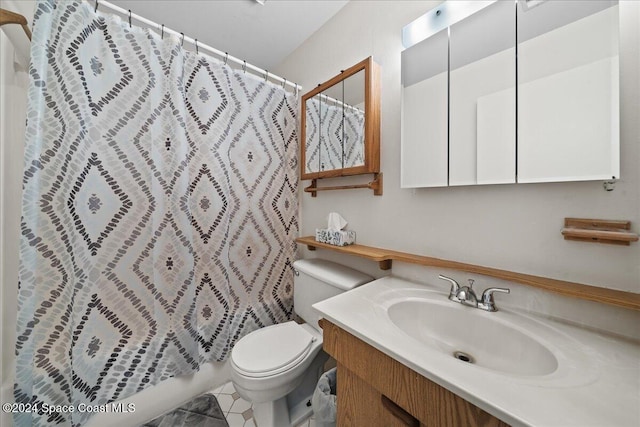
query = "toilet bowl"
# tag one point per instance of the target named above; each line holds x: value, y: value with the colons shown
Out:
x: 262, y: 373
x: 277, y: 367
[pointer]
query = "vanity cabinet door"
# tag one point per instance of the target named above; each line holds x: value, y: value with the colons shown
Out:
x: 424, y: 113
x: 360, y: 404
x: 568, y: 94
x: 367, y: 377
x: 482, y: 97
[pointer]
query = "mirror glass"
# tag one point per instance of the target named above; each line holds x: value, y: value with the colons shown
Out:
x: 340, y: 124
x: 568, y: 94
x: 353, y: 120
x: 482, y: 97
x: 424, y: 113
x: 492, y: 99
x: 331, y: 128
x: 312, y: 136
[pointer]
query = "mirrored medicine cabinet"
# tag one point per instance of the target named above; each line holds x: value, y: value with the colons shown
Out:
x: 497, y: 92
x: 340, y: 125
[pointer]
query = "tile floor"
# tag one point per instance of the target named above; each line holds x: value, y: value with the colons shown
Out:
x: 203, y: 411
x: 239, y: 412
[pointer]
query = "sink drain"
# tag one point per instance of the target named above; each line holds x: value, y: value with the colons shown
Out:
x: 463, y: 356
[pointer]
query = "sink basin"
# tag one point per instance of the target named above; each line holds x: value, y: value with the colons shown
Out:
x: 487, y: 340
x: 527, y: 369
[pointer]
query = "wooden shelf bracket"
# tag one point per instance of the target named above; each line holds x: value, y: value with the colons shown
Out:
x: 375, y: 185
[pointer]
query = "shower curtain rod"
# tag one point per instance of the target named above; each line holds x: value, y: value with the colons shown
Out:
x: 338, y: 102
x: 196, y: 43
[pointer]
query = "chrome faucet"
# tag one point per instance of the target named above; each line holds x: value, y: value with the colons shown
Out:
x: 467, y: 296
x: 453, y: 293
x: 486, y: 300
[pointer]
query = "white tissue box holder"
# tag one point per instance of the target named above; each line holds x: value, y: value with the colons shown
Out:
x: 336, y: 238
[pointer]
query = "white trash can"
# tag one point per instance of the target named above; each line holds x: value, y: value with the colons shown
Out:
x: 323, y: 401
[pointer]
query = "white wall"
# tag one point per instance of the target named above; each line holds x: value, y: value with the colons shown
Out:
x: 512, y: 227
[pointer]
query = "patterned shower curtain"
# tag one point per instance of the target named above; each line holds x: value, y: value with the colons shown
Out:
x: 339, y: 131
x: 353, y: 137
x: 159, y: 211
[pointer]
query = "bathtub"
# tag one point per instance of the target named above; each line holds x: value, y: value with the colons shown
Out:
x: 165, y: 396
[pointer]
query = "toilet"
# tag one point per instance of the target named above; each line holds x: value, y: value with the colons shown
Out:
x: 277, y: 367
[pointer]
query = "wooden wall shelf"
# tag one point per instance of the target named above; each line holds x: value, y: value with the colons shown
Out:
x: 385, y: 257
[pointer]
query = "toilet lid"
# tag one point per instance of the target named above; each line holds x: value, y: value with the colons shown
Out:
x: 271, y: 350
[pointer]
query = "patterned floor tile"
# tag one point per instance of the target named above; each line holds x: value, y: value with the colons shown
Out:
x: 226, y: 402
x: 248, y: 414
x: 235, y: 420
x: 228, y: 388
x: 240, y: 405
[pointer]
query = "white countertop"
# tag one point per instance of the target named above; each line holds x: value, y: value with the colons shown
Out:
x: 597, y: 382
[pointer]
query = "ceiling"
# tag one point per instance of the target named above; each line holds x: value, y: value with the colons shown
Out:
x: 263, y: 35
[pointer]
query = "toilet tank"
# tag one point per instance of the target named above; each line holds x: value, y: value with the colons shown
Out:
x: 317, y: 280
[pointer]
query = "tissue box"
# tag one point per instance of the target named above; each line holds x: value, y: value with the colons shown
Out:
x: 336, y: 238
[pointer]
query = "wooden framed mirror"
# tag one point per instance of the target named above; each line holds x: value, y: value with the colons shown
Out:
x: 340, y: 125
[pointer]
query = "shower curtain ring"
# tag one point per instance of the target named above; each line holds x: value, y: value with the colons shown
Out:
x: 244, y: 67
x: 129, y: 18
x: 284, y: 83
x: 96, y: 8
x: 182, y: 41
x: 162, y: 34
x: 196, y: 46
x: 226, y: 57
x: 266, y: 75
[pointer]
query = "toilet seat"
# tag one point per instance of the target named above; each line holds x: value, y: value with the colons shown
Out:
x: 272, y: 350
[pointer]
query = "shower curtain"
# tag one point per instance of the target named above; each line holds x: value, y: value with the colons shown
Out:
x: 353, y: 137
x: 159, y: 211
x: 340, y: 132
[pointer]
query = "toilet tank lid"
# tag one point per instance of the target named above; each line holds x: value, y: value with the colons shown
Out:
x: 337, y: 275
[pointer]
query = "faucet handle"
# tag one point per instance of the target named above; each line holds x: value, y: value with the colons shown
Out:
x: 471, y: 282
x: 487, y: 303
x: 453, y: 292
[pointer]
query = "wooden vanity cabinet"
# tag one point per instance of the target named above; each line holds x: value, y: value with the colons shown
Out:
x: 377, y: 390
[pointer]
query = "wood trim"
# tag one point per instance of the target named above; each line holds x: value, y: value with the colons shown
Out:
x: 368, y: 367
x: 372, y: 119
x: 570, y: 289
x: 8, y: 17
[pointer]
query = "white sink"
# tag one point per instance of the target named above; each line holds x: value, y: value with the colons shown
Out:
x: 527, y: 370
x: 472, y: 336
